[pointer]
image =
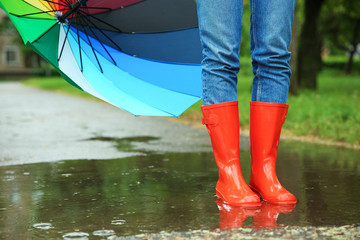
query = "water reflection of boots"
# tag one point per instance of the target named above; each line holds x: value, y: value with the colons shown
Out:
x: 234, y: 216
x: 269, y: 213
x: 222, y: 123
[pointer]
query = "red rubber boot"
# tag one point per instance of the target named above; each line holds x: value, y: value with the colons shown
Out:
x: 222, y: 123
x: 266, y: 120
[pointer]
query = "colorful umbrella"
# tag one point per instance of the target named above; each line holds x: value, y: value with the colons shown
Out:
x: 140, y: 55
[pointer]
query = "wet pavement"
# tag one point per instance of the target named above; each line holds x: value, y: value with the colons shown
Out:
x: 162, y: 180
x: 39, y: 126
x: 156, y: 192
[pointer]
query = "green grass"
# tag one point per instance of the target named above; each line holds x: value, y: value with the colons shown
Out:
x: 57, y: 84
x: 330, y: 113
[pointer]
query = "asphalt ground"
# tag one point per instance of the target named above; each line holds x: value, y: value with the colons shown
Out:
x: 40, y: 126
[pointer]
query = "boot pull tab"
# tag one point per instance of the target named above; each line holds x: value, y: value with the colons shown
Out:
x: 212, y: 120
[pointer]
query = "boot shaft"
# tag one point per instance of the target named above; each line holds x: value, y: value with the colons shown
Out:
x: 222, y: 123
x: 266, y: 120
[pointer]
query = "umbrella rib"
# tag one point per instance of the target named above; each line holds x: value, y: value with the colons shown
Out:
x: 97, y: 38
x: 100, y: 20
x: 66, y: 2
x: 30, y: 14
x: 109, y: 9
x: 30, y: 4
x: 93, y: 49
x: 78, y: 35
x: 119, y: 48
x: 66, y: 36
x: 55, y: 3
x: 46, y: 32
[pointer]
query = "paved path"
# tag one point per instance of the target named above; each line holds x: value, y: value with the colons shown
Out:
x: 38, y: 126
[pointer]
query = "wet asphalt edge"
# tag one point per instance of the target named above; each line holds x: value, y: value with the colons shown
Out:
x: 288, y: 232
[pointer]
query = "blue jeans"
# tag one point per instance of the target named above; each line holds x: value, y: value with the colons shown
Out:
x: 220, y: 24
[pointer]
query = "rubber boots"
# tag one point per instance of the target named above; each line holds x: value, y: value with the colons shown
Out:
x: 222, y: 123
x: 266, y: 120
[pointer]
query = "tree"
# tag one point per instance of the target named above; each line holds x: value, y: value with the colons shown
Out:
x: 294, y: 84
x: 341, y: 27
x: 309, y: 51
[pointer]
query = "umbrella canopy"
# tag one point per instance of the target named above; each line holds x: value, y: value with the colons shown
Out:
x: 142, y: 56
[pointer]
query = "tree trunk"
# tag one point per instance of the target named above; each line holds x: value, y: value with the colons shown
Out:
x: 354, y: 45
x: 349, y: 64
x: 309, y: 46
x: 294, y: 85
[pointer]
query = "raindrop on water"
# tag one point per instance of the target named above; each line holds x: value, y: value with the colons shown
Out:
x: 118, y: 222
x: 43, y: 226
x: 76, y: 236
x: 104, y: 233
x: 8, y: 178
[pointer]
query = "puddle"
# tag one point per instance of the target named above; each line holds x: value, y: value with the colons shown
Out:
x: 129, y: 144
x: 153, y: 192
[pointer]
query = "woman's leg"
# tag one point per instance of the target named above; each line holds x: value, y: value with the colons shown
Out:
x: 220, y: 34
x: 220, y: 24
x: 271, y: 23
x: 270, y: 33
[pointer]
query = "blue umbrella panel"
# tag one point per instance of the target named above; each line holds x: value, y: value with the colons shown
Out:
x: 142, y: 56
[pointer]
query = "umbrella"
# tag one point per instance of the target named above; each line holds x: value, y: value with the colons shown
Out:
x: 142, y: 56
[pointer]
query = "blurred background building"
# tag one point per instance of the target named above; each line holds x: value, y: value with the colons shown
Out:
x: 15, y: 59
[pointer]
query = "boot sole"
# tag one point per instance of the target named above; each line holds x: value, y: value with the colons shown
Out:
x: 237, y: 204
x: 272, y: 202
